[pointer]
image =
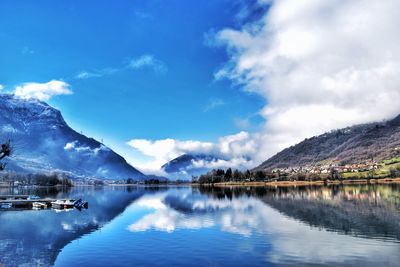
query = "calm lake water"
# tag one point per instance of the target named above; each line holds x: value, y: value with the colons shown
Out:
x: 137, y: 226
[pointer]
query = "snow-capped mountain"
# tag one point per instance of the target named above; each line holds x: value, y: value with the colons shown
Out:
x: 43, y: 142
x: 188, y: 165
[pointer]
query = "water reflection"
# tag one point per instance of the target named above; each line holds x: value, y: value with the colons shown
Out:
x: 34, y: 238
x: 329, y: 226
x: 366, y: 210
x: 371, y: 211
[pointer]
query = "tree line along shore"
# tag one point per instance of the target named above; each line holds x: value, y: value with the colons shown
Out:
x: 386, y: 172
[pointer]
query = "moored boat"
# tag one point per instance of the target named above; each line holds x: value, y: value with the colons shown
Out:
x: 39, y: 205
x: 69, y: 203
x: 58, y: 204
x: 63, y: 203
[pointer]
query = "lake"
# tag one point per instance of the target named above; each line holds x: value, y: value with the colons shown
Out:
x: 189, y: 226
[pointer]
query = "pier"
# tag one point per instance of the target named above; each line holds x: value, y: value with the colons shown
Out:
x: 26, y: 201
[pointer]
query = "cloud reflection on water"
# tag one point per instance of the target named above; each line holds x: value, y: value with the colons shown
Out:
x: 250, y: 217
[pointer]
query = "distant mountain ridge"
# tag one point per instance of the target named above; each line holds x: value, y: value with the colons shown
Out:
x: 184, y: 166
x: 43, y: 142
x: 354, y: 144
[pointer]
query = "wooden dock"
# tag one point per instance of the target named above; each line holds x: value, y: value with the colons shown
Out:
x: 15, y: 202
x: 25, y: 203
x: 22, y: 201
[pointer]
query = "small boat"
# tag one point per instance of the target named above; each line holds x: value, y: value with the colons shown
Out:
x: 5, y: 205
x: 39, y: 205
x: 63, y: 204
x: 33, y: 197
x: 58, y: 204
x: 69, y: 203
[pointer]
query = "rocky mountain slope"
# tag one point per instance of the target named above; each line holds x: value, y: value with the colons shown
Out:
x: 43, y: 142
x: 356, y: 144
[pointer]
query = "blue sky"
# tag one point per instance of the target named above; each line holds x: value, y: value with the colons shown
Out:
x: 171, y: 95
x: 239, y: 79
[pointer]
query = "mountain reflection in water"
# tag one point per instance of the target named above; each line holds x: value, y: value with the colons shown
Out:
x: 35, y: 237
x: 360, y: 210
x: 239, y: 226
x: 252, y: 226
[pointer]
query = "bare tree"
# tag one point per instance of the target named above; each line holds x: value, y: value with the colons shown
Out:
x: 5, y: 151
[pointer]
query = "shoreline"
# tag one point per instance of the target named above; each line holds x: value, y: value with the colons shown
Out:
x: 305, y: 183
x: 251, y: 184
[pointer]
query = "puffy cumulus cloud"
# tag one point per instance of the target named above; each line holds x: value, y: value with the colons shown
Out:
x: 320, y: 65
x: 42, y: 91
x: 161, y: 151
x: 1, y: 87
x: 234, y: 150
x: 148, y: 61
x: 238, y: 163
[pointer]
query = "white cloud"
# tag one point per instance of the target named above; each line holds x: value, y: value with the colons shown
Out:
x: 1, y: 87
x: 320, y: 65
x: 42, y: 91
x: 96, y: 73
x: 161, y: 151
x: 236, y: 162
x: 235, y: 151
x: 144, y: 61
x: 213, y: 103
x: 70, y: 145
x: 86, y: 75
x: 148, y: 61
x: 74, y: 146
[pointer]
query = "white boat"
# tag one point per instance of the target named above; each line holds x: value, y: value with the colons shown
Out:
x: 58, y: 204
x: 39, y: 205
x: 69, y: 203
x: 63, y: 203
